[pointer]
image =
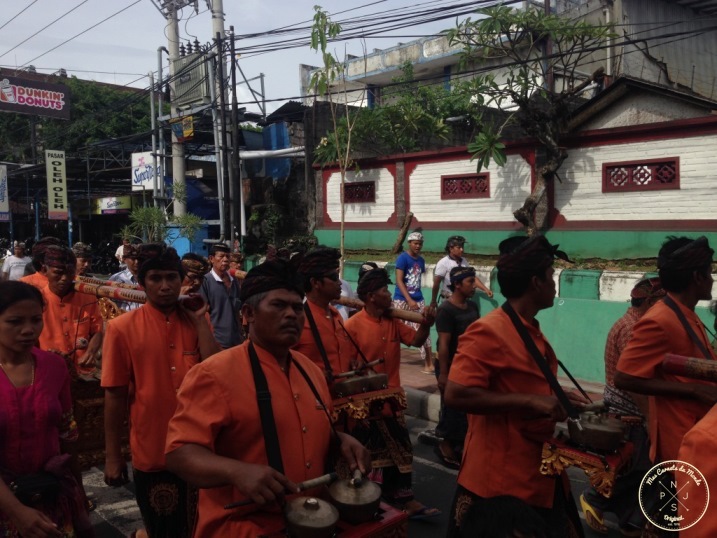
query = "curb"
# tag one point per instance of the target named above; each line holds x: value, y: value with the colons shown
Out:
x: 422, y: 404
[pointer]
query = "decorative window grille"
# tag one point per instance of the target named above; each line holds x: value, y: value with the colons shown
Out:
x: 359, y: 192
x: 649, y: 175
x: 461, y: 186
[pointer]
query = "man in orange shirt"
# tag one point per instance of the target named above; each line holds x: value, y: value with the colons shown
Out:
x: 217, y: 440
x: 73, y: 323
x: 326, y: 342
x: 511, y: 407
x: 698, y: 448
x: 672, y: 326
x: 151, y: 349
x: 379, y: 336
x: 37, y: 278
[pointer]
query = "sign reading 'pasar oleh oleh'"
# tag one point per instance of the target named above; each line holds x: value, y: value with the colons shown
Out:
x: 56, y: 185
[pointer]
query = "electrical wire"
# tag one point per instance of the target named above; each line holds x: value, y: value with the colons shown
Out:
x: 83, y: 31
x: 51, y: 70
x: 139, y: 96
x: 20, y: 13
x: 438, y: 78
x: 186, y: 31
x: 58, y: 19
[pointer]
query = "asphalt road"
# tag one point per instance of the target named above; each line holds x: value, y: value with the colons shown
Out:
x: 117, y: 515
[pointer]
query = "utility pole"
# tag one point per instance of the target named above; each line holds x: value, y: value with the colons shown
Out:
x: 169, y: 9
x: 178, y: 166
x: 217, y: 9
x: 235, y: 153
x: 223, y: 141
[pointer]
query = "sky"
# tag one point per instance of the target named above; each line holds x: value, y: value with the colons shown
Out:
x: 123, y: 48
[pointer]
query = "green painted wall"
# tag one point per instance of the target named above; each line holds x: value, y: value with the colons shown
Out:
x: 578, y: 244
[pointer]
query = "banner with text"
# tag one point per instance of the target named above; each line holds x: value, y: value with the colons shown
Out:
x: 26, y: 96
x: 143, y: 171
x: 56, y: 185
x: 4, y: 195
x: 112, y: 205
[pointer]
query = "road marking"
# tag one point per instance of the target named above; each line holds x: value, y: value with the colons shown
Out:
x: 435, y: 465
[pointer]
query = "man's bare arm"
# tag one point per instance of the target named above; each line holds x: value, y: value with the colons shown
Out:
x: 480, y: 401
x: 661, y: 387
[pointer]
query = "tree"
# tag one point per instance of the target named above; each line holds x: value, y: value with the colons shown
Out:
x: 526, y: 50
x: 153, y: 223
x: 409, y: 118
x: 334, y: 71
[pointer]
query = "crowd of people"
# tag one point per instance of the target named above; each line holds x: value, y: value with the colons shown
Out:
x: 229, y: 382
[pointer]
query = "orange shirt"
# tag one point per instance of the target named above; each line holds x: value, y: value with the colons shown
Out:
x: 217, y: 409
x: 70, y: 322
x: 339, y: 349
x: 152, y: 352
x: 502, y: 451
x: 659, y: 332
x: 381, y: 338
x: 36, y: 279
x: 698, y: 447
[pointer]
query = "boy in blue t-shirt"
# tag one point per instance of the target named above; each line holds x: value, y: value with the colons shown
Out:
x: 410, y: 267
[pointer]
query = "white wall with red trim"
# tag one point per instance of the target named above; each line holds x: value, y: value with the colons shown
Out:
x: 578, y: 199
x: 509, y: 185
x: 580, y: 196
x: 379, y: 211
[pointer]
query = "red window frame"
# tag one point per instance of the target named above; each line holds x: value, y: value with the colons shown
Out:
x: 354, y: 192
x: 478, y: 185
x: 642, y: 175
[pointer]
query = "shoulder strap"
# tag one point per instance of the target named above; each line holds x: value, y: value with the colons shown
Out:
x: 348, y: 334
x: 266, y: 414
x: 540, y: 361
x: 686, y: 324
x: 319, y: 343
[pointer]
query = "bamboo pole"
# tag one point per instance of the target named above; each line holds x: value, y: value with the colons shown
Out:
x: 139, y: 296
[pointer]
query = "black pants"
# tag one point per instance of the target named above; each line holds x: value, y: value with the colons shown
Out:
x: 167, y: 503
x: 472, y: 515
x: 452, y: 424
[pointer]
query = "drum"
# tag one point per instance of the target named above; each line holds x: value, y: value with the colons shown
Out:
x: 359, y: 406
x: 359, y: 384
x: 601, y: 469
x: 389, y: 523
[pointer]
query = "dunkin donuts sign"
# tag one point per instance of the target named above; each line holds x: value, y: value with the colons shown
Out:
x: 34, y: 97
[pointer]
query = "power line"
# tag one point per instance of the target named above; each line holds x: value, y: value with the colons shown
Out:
x: 20, y: 13
x: 45, y: 27
x: 82, y: 32
x: 139, y: 96
x: 52, y: 70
